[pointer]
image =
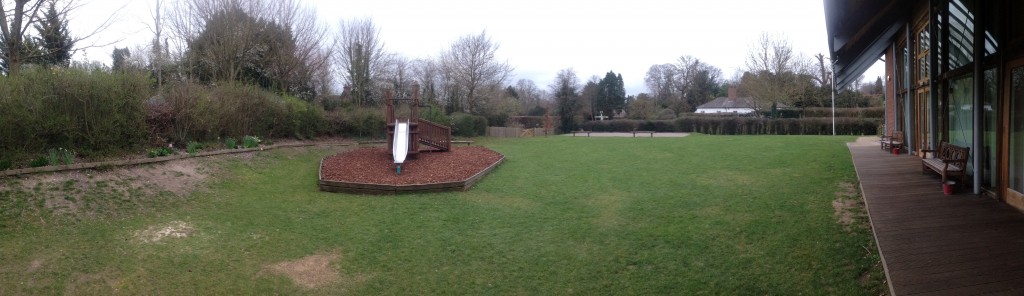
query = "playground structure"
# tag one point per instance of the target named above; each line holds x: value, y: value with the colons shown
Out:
x: 415, y: 134
x: 367, y: 170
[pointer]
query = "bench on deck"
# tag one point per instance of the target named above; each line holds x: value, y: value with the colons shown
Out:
x: 581, y: 132
x: 893, y: 142
x: 949, y: 160
x: 648, y: 132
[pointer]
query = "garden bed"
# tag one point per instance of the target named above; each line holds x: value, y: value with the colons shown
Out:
x: 371, y: 171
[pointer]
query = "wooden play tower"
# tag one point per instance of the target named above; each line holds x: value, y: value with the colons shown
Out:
x: 423, y: 134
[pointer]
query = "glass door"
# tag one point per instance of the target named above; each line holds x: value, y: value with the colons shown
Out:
x: 922, y: 130
x: 1014, y: 135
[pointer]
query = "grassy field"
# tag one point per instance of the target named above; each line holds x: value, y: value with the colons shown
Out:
x: 696, y: 215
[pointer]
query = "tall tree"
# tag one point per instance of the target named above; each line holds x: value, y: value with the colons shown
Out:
x: 611, y: 94
x: 119, y: 59
x: 529, y: 94
x: 54, y: 38
x: 773, y: 72
x: 565, y: 89
x: 661, y: 83
x: 361, y: 57
x: 472, y: 64
x: 14, y: 24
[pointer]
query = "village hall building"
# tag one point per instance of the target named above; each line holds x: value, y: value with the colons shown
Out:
x: 954, y: 72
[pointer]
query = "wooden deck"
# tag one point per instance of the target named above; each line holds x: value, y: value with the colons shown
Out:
x: 934, y: 244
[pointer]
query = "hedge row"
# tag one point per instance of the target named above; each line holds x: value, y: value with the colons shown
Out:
x: 867, y: 112
x: 83, y: 111
x: 734, y: 125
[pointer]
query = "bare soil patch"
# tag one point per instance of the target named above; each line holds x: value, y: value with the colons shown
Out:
x: 375, y: 166
x: 315, y: 271
x: 848, y: 207
x: 173, y: 229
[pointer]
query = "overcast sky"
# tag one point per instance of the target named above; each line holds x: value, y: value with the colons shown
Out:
x: 541, y: 37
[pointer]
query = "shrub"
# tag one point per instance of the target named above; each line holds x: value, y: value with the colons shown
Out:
x: 159, y: 152
x: 435, y: 114
x: 94, y: 111
x: 230, y: 143
x: 467, y: 125
x: 194, y: 147
x: 53, y: 158
x: 357, y: 122
x: 250, y: 142
x: 204, y: 113
x: 5, y: 164
x: 39, y: 162
x: 666, y: 114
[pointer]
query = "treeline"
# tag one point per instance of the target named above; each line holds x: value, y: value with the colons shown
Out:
x: 735, y: 125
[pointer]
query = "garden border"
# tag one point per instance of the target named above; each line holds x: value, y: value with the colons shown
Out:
x: 386, y: 189
x: 138, y: 161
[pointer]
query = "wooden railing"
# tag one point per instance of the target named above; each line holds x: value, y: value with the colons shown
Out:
x: 435, y: 136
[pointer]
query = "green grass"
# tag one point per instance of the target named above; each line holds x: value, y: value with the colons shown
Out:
x: 745, y: 215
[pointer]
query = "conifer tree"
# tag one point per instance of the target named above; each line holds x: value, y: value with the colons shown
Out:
x: 54, y: 39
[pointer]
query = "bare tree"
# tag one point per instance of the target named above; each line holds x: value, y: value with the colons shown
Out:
x: 275, y: 44
x: 361, y: 57
x: 19, y: 15
x: 472, y: 64
x: 529, y: 94
x: 824, y: 77
x: 773, y: 72
x: 398, y: 73
x: 427, y: 73
x: 661, y: 82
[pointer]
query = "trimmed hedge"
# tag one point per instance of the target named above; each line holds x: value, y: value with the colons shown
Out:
x: 735, y: 125
x: 867, y: 112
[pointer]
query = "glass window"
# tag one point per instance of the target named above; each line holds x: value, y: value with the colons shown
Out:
x: 1016, y: 164
x: 921, y: 56
x: 961, y: 116
x: 961, y: 34
x: 988, y: 155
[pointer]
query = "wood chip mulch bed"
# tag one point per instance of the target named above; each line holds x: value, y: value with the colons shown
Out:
x: 375, y: 166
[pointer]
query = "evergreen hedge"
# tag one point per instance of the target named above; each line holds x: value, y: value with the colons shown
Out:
x: 736, y: 125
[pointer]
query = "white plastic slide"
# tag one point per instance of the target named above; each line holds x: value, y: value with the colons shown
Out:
x: 400, y: 147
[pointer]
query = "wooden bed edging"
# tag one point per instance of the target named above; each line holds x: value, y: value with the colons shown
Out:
x: 384, y: 189
x: 138, y: 161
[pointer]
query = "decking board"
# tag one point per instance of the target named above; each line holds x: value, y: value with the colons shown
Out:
x: 936, y: 244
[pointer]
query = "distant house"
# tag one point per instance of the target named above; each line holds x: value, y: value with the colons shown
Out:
x: 732, y: 105
x: 729, y: 105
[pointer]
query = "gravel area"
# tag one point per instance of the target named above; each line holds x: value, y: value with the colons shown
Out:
x: 375, y: 166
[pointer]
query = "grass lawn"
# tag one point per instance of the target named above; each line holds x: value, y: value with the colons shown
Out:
x: 694, y: 215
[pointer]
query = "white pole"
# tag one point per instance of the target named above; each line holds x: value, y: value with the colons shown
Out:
x: 833, y: 98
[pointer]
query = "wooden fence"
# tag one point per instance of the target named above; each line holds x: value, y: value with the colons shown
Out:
x: 514, y: 132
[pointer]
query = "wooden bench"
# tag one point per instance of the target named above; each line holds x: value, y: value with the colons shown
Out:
x: 895, y: 142
x: 949, y: 160
x: 581, y: 132
x: 466, y: 142
x: 649, y: 132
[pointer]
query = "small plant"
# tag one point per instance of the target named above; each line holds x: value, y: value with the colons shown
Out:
x: 194, y: 147
x: 250, y: 142
x: 38, y: 162
x: 162, y: 151
x: 5, y: 164
x: 66, y: 155
x: 231, y: 143
x: 54, y: 158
